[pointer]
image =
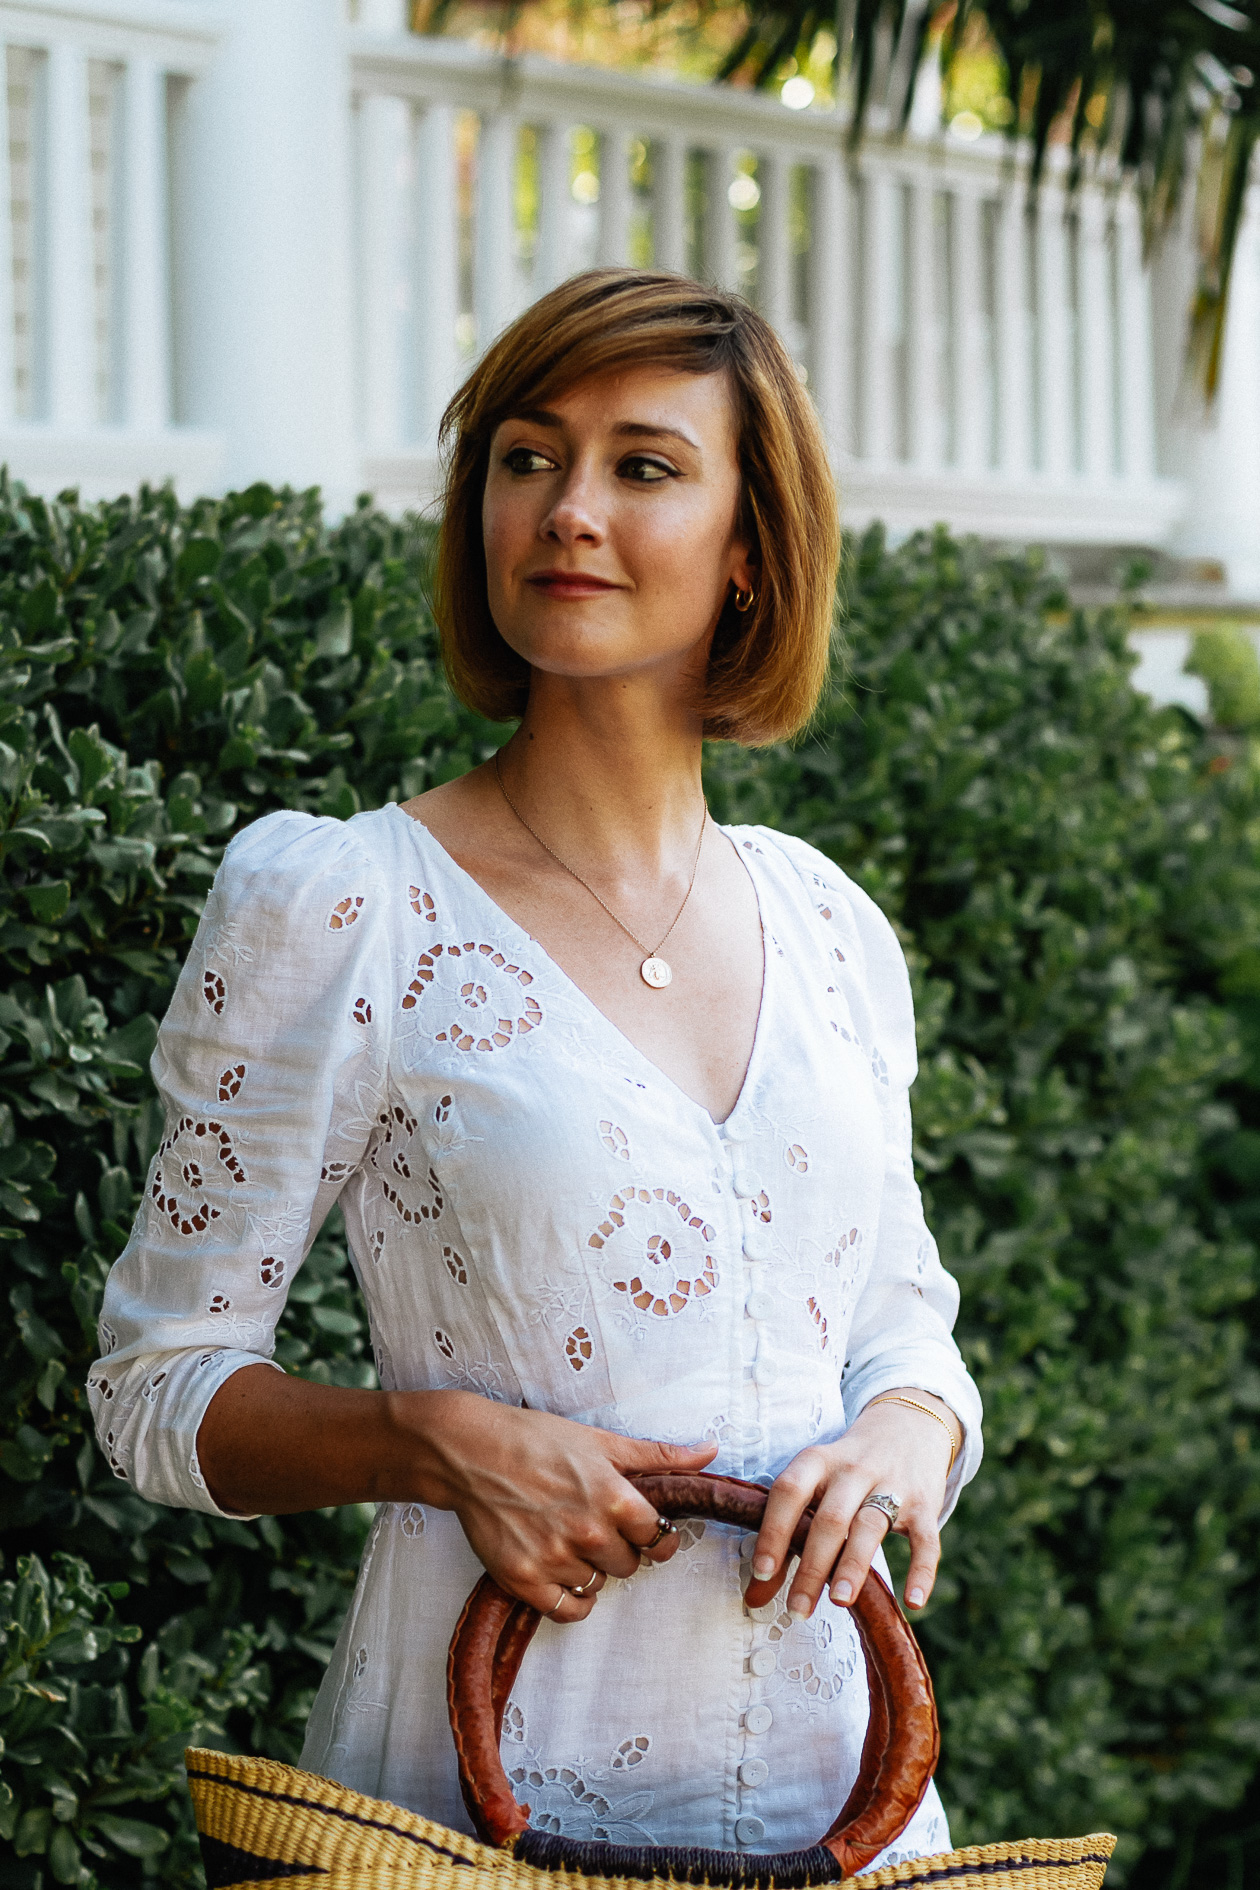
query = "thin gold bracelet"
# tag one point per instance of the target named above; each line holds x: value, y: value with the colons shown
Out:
x: 895, y: 1397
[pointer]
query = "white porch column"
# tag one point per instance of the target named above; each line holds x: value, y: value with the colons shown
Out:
x: 385, y: 160
x: 1098, y: 412
x: 267, y: 344
x: 1220, y: 452
x: 436, y: 269
x: 614, y: 195
x: 70, y: 338
x: 8, y: 391
x: 925, y: 392
x: 669, y: 203
x: 774, y: 255
x: 719, y: 220
x: 1013, y: 348
x: 879, y: 262
x: 146, y: 307
x: 494, y: 269
x: 831, y: 304
x: 972, y: 359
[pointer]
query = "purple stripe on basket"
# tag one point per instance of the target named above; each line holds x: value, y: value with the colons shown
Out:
x: 1006, y: 1864
x: 333, y: 1811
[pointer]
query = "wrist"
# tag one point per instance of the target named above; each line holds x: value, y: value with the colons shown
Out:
x: 912, y: 1398
x: 418, y: 1461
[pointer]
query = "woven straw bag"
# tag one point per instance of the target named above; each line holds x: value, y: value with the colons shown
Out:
x: 263, y: 1825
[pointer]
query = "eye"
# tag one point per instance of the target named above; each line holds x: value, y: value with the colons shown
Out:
x: 527, y: 459
x: 644, y: 471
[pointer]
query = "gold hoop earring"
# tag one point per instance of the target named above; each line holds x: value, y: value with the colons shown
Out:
x: 744, y: 600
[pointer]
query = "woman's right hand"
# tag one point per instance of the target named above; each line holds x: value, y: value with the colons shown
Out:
x: 543, y: 1501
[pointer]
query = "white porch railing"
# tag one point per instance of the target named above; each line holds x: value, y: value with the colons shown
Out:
x: 245, y: 239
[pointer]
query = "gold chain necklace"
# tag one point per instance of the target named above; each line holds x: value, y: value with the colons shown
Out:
x: 654, y: 971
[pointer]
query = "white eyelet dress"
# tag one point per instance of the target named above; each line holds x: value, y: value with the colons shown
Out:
x: 537, y: 1214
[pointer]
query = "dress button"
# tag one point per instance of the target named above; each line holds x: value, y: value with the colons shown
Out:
x: 759, y: 1305
x: 753, y: 1438
x: 756, y: 1247
x: 732, y: 1131
x: 754, y: 1772
x: 764, y: 1661
x: 749, y: 1830
x: 758, y: 1719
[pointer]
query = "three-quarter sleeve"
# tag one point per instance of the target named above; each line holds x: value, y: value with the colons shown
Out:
x: 270, y: 1064
x: 903, y: 1322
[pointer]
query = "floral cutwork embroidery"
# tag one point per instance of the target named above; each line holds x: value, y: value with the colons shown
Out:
x: 411, y: 1521
x: 820, y: 1323
x: 376, y: 1244
x: 797, y: 1159
x: 190, y: 1148
x: 578, y: 1348
x: 345, y: 912
x: 360, y: 1663
x: 422, y: 904
x: 442, y: 1110
x: 214, y: 991
x: 481, y: 1028
x: 445, y: 1344
x: 336, y: 1172
x: 413, y: 1200
x: 230, y: 1082
x: 760, y: 1205
x: 650, y: 1288
x: 631, y: 1752
x: 879, y: 1067
x: 362, y: 1012
x: 218, y: 1303
x: 271, y: 1271
x: 615, y: 1140
x: 455, y: 1266
x: 846, y: 1244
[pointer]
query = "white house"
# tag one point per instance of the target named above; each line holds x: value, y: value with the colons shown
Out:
x: 248, y: 239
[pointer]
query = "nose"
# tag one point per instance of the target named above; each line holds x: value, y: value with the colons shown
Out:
x: 576, y: 517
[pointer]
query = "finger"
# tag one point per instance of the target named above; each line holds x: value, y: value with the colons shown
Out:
x: 870, y: 1526
x: 643, y: 1456
x: 791, y: 1493
x: 587, y: 1584
x: 555, y: 1603
x: 828, y: 1534
x: 925, y: 1556
x: 661, y: 1544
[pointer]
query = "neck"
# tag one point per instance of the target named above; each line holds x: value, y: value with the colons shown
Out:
x: 607, y: 775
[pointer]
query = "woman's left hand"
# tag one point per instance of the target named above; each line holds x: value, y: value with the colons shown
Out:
x: 889, y: 1447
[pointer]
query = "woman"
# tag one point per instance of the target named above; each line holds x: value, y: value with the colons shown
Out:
x: 615, y: 1104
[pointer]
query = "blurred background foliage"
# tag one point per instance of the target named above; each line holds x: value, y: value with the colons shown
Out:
x: 1077, y: 878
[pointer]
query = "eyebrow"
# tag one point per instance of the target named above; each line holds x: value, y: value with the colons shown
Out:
x: 628, y: 429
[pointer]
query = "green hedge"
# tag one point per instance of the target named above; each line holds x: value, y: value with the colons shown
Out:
x: 1076, y: 876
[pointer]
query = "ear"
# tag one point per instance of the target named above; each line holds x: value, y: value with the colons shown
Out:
x: 744, y: 570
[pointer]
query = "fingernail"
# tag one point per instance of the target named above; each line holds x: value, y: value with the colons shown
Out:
x: 915, y: 1598
x: 842, y: 1593
x: 763, y: 1567
x: 799, y: 1606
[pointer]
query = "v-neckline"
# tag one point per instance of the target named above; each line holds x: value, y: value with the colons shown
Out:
x: 503, y: 917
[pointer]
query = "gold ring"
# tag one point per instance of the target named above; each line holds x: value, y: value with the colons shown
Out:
x: 664, y: 1527
x: 559, y: 1604
x: 586, y: 1587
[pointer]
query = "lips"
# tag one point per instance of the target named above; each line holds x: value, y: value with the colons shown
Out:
x: 569, y: 584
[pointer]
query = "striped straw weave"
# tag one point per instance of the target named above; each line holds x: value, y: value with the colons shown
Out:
x: 265, y: 1826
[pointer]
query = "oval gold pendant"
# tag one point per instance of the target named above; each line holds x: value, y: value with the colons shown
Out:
x: 656, y: 972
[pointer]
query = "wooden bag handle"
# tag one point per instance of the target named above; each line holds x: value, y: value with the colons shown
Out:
x: 898, y: 1758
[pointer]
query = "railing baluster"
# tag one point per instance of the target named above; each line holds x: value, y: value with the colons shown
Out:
x: 8, y: 390
x: 720, y: 231
x: 774, y: 255
x: 494, y: 271
x: 1097, y: 410
x: 437, y: 256
x: 69, y: 306
x: 552, y: 264
x: 830, y: 301
x: 669, y: 203
x: 924, y: 393
x: 878, y: 406
x: 970, y: 354
x: 146, y: 350
x: 1013, y: 345
x: 1134, y: 349
x: 614, y: 195
x: 384, y: 285
x: 1054, y: 363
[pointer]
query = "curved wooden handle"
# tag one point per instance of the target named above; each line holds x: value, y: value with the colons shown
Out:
x: 902, y: 1736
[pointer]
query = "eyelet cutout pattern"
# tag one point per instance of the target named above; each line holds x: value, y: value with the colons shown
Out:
x: 879, y: 1068
x: 818, y: 1656
x: 376, y: 1244
x: 362, y: 1011
x: 337, y: 1173
x: 445, y: 1344
x: 154, y: 1385
x: 190, y: 1149
x: 456, y: 1266
x: 816, y: 1313
x: 847, y: 1243
x: 413, y: 1200
x: 345, y: 912
x: 422, y: 904
x: 579, y: 1348
x: 218, y: 1304
x: 360, y: 1664
x: 214, y: 991
x: 796, y: 1159
x: 631, y: 1752
x: 271, y: 1272
x: 442, y: 1110
x: 655, y: 1286
x: 615, y: 1140
x: 488, y: 995
x: 411, y: 1521
x: 108, y: 1338
x: 230, y: 1082
x: 760, y: 1206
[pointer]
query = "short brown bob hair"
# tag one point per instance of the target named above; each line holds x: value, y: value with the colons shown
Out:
x: 767, y: 667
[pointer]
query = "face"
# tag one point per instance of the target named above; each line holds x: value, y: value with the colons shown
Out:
x: 610, y: 526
